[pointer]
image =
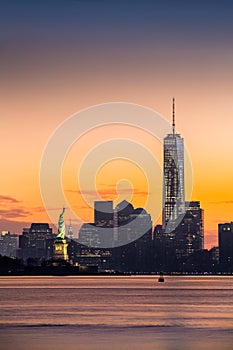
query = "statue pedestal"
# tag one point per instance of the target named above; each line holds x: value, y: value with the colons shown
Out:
x: 60, y: 249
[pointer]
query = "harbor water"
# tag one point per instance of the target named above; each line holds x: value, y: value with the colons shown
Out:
x: 106, y: 312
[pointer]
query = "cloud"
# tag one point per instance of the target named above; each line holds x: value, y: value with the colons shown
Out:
x: 88, y: 192
x: 8, y: 199
x: 10, y: 208
x: 38, y: 209
x: 87, y: 206
x: 14, y: 213
x: 14, y: 217
x: 221, y: 202
x: 109, y: 191
x: 43, y: 209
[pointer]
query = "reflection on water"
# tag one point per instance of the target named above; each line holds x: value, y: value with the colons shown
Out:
x: 115, y: 312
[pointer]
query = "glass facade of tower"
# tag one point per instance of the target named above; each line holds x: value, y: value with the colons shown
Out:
x: 195, y: 234
x: 190, y: 231
x: 173, y: 181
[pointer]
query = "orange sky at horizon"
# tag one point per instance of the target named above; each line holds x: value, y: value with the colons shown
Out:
x: 208, y: 186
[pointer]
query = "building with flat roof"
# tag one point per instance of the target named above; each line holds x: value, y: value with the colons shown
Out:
x: 225, y: 241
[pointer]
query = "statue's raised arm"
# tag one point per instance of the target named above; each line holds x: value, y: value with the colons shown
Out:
x: 61, y: 226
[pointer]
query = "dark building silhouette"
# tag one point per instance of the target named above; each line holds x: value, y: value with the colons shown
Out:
x: 214, y: 251
x: 195, y: 229
x: 158, y: 233
x: 114, y: 227
x: 123, y: 230
x: 225, y: 240
x: 199, y: 262
x: 136, y: 256
x: 131, y: 223
x: 96, y: 236
x: 103, y: 221
x: 189, y: 233
x: 134, y: 234
x: 131, y: 237
x: 89, y: 256
x: 89, y: 235
x: 8, y: 244
x: 103, y: 213
x: 36, y: 242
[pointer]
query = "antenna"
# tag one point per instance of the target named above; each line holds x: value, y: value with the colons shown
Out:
x: 173, y: 116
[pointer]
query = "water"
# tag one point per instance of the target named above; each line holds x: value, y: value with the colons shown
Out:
x: 108, y: 313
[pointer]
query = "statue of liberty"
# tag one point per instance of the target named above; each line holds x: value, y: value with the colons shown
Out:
x: 61, y: 226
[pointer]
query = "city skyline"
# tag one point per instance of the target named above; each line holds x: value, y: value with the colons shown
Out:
x: 112, y: 243
x: 78, y: 56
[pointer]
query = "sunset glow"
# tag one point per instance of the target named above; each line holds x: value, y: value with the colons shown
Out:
x: 60, y: 57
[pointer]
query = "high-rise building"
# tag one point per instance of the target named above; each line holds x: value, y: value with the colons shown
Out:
x: 158, y: 233
x: 115, y: 227
x: 103, y: 220
x: 103, y: 213
x: 8, y: 244
x: 225, y: 241
x: 173, y: 180
x: 195, y: 237
x: 89, y: 235
x: 36, y: 242
x: 70, y: 234
x: 189, y: 234
x: 131, y: 223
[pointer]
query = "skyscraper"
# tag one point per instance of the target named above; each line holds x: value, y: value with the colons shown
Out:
x: 103, y: 220
x: 173, y: 180
x: 103, y: 213
x: 8, y: 244
x: 195, y: 236
x: 70, y: 231
x: 225, y: 239
x: 190, y: 231
x: 132, y: 223
x: 36, y: 242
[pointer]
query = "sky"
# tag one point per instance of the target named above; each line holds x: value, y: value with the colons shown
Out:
x: 59, y: 57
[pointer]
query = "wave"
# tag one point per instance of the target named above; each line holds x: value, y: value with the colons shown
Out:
x: 86, y: 325
x: 127, y: 329
x: 107, y: 327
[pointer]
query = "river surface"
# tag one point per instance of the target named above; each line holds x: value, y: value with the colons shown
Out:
x: 108, y: 313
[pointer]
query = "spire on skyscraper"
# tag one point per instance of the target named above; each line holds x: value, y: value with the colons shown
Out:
x: 70, y: 231
x: 173, y: 116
